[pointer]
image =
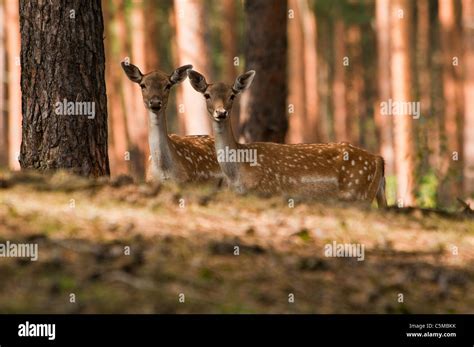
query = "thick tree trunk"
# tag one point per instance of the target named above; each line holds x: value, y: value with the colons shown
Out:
x: 468, y: 21
x: 339, y: 84
x: 296, y: 75
x: 384, y: 122
x: 401, y: 15
x: 190, y: 17
x: 67, y: 70
x: 264, y: 106
x: 14, y: 91
x: 451, y: 184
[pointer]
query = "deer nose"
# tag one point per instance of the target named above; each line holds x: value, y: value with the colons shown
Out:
x: 221, y: 113
x: 155, y: 103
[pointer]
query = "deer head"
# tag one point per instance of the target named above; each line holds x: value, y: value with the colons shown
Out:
x: 219, y: 96
x: 155, y: 85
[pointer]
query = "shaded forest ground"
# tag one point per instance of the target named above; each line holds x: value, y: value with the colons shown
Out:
x: 182, y: 240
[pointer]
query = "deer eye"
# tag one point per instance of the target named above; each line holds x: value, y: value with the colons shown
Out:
x: 232, y: 96
x: 142, y: 86
x: 168, y: 87
x: 207, y: 96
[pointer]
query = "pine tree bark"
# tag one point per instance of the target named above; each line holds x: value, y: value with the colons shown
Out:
x: 468, y: 24
x: 401, y: 15
x: 14, y: 92
x: 264, y: 111
x: 69, y: 67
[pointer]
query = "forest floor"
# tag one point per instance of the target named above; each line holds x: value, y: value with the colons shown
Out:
x: 182, y: 241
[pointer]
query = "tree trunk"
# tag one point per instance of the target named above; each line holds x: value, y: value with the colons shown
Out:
x: 468, y: 21
x: 325, y: 85
x: 311, y: 129
x: 14, y: 91
x: 179, y: 101
x: 3, y: 114
x: 152, y: 36
x: 190, y: 17
x: 401, y: 15
x: 339, y: 84
x: 229, y: 40
x: 384, y: 122
x: 67, y: 70
x: 117, y: 128
x: 356, y: 87
x: 296, y: 75
x: 264, y: 106
x: 428, y: 127
x: 137, y: 119
x: 451, y: 184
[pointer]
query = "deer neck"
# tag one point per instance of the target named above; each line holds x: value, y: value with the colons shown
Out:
x: 161, y: 148
x: 224, y: 142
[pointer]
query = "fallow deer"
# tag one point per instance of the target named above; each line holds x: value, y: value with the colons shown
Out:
x: 322, y: 171
x: 179, y: 158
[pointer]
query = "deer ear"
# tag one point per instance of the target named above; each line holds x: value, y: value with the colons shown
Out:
x: 180, y: 74
x: 197, y: 80
x: 243, y: 81
x: 132, y: 72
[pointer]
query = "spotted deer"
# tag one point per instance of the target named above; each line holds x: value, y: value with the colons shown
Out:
x: 321, y: 171
x: 179, y: 158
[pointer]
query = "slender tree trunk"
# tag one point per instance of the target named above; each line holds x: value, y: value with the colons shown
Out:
x: 428, y: 127
x: 14, y: 91
x: 55, y: 137
x: 137, y: 120
x: 179, y: 91
x: 356, y: 93
x: 339, y: 84
x: 151, y: 24
x: 468, y: 21
x: 264, y: 106
x: 3, y: 114
x: 324, y: 46
x: 190, y: 16
x: 229, y: 39
x: 117, y: 128
x: 311, y: 129
x: 401, y: 15
x: 451, y: 185
x: 296, y: 75
x: 384, y: 122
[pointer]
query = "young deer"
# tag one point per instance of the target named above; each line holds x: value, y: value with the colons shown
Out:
x: 180, y: 158
x: 332, y: 170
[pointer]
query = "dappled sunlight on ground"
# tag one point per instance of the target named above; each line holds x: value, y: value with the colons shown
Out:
x: 183, y: 239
